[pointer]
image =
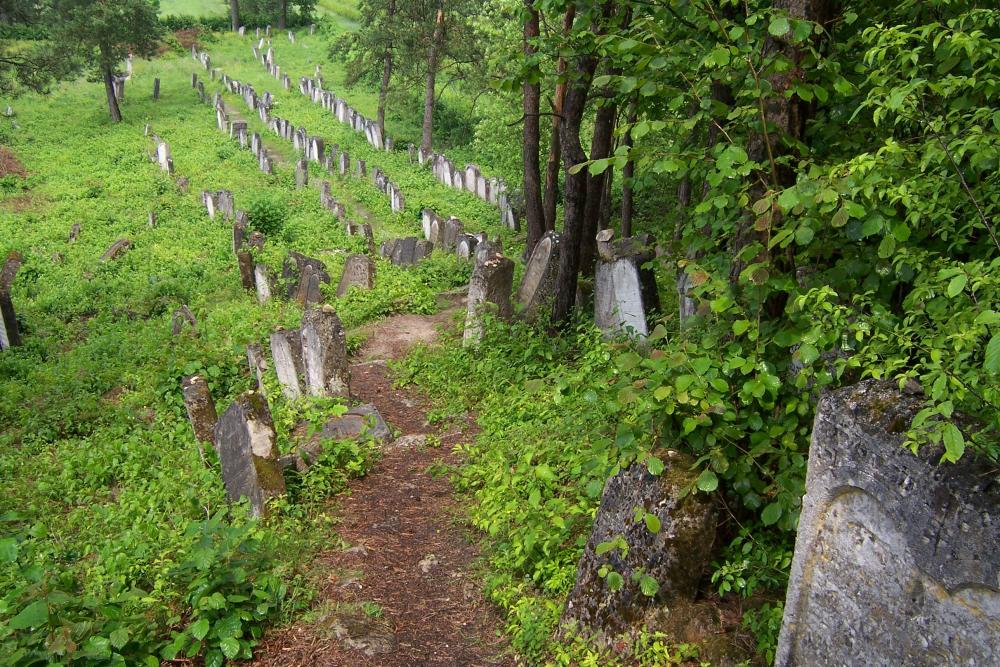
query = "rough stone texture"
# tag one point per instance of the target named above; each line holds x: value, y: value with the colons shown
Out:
x: 538, y: 284
x: 181, y: 316
x: 262, y: 281
x: 363, y: 422
x: 248, y: 452
x: 200, y: 408
x: 247, y: 278
x: 295, y: 269
x: 359, y: 271
x: 258, y: 364
x: 10, y: 333
x: 624, y: 292
x: 489, y: 290
x: 309, y: 291
x: 117, y: 249
x: 675, y: 556
x: 301, y: 173
x: 324, y: 352
x: 896, y: 559
x: 286, y: 353
x: 406, y: 251
x: 239, y: 232
x: 453, y: 228
x: 465, y: 247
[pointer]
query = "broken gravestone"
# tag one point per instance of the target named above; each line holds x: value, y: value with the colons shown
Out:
x: 286, y: 353
x: 406, y: 251
x: 624, y: 292
x: 673, y: 556
x: 201, y: 410
x: 117, y: 249
x: 302, y: 276
x: 324, y: 353
x: 262, y: 281
x: 248, y: 452
x: 489, y: 290
x: 538, y: 284
x: 258, y: 364
x: 363, y: 422
x: 359, y: 271
x: 896, y: 559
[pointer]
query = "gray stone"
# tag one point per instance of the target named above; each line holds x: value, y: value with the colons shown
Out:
x: 117, y: 249
x: 465, y: 247
x: 324, y: 352
x: 295, y: 269
x: 361, y: 169
x: 74, y: 233
x: 181, y: 316
x: 674, y: 556
x: 240, y: 228
x: 10, y: 333
x: 262, y: 282
x: 624, y: 291
x: 151, y: 220
x: 301, y: 173
x: 453, y: 228
x: 200, y: 408
x: 359, y: 271
x: 286, y: 353
x: 539, y: 282
x: 489, y: 291
x: 163, y: 157
x: 258, y: 364
x: 248, y: 452
x: 896, y: 559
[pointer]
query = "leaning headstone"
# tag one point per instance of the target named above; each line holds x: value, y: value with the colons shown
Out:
x: 116, y: 250
x: 674, y: 556
x: 309, y: 291
x: 286, y: 353
x: 896, y: 559
x: 324, y: 353
x: 624, y: 291
x: 200, y: 409
x: 489, y: 289
x: 301, y: 173
x: 258, y: 364
x: 539, y: 282
x: 359, y: 271
x: 295, y: 268
x: 248, y: 452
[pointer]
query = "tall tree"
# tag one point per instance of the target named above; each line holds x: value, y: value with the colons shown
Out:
x: 430, y: 94
x: 103, y: 33
x: 553, y: 163
x: 234, y: 14
x: 387, y: 64
x: 282, y: 14
x: 534, y: 215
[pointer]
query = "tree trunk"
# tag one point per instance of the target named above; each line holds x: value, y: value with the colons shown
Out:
x: 628, y: 173
x: 234, y: 14
x: 600, y: 147
x: 109, y: 89
x: 432, y: 64
x: 552, y: 166
x: 282, y: 14
x: 383, y: 91
x: 534, y: 215
x: 575, y: 200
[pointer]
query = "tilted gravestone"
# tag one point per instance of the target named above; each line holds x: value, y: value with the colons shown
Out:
x: 359, y: 271
x: 200, y: 408
x: 117, y: 249
x: 286, y: 353
x: 247, y: 279
x: 180, y: 317
x: 258, y: 364
x: 302, y: 276
x: 489, y: 291
x: 324, y: 353
x: 248, y: 452
x: 624, y: 291
x: 896, y: 559
x: 539, y: 282
x: 674, y: 556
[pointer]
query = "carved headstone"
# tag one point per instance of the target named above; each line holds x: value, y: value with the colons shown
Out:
x: 258, y: 364
x: 489, y: 290
x: 324, y: 353
x: 248, y: 452
x: 895, y: 559
x: 200, y: 408
x: 262, y: 282
x: 624, y: 291
x: 539, y: 281
x: 286, y: 352
x: 298, y: 283
x: 301, y: 173
x: 359, y: 271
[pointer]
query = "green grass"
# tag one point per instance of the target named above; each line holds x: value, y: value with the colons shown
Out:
x: 193, y: 8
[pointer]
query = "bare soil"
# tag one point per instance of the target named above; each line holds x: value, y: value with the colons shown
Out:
x: 404, y: 593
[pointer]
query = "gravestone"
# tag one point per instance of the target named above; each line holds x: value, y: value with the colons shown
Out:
x: 489, y: 290
x: 200, y: 408
x: 156, y: 89
x: 309, y: 291
x: 74, y: 233
x: 345, y: 163
x: 258, y: 364
x: 406, y: 251
x: 427, y: 216
x: 360, y: 168
x: 466, y: 246
x: 117, y: 249
x: 248, y: 452
x: 10, y: 333
x: 181, y: 316
x: 194, y: 80
x: 359, y: 271
x: 151, y: 220
x: 163, y: 157
x: 624, y: 291
x: 240, y: 228
x: 245, y: 261
x: 674, y: 556
x: 301, y: 174
x: 539, y: 282
x: 324, y: 353
x: 295, y: 267
x: 286, y: 353
x: 896, y: 559
x: 316, y: 146
x: 435, y: 231
x: 366, y: 231
x: 360, y: 423
x: 453, y: 228
x: 262, y: 282
x: 10, y: 268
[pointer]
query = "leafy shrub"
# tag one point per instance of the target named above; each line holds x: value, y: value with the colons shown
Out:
x: 267, y: 214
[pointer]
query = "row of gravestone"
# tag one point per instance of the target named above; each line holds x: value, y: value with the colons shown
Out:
x: 238, y: 130
x: 311, y: 359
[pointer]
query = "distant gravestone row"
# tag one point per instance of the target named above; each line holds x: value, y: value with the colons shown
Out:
x: 339, y: 211
x: 471, y: 179
x: 449, y: 235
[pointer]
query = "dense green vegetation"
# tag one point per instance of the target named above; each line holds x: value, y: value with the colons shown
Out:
x: 821, y: 177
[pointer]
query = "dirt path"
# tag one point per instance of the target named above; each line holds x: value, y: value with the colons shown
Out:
x: 403, y: 594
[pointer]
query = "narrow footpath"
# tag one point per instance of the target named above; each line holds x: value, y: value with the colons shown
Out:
x: 403, y: 592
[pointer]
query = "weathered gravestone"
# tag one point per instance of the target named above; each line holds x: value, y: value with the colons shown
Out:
x: 406, y: 251
x: 301, y: 173
x: 180, y: 317
x: 465, y: 247
x: 74, y: 233
x: 302, y: 276
x: 324, y: 353
x: 286, y: 353
x: 363, y: 422
x: 539, y: 282
x: 427, y: 216
x: 10, y: 333
x: 624, y: 292
x: 262, y: 281
x: 248, y: 452
x: 359, y: 271
x: 247, y: 279
x: 452, y: 229
x: 117, y: 249
x: 258, y: 364
x: 896, y: 559
x: 674, y: 556
x: 489, y: 290
x: 200, y: 409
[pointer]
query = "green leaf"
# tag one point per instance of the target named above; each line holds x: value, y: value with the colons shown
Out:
x: 707, y: 481
x: 771, y: 514
x: 199, y: 629
x: 544, y: 473
x: 615, y: 581
x: 652, y: 523
x: 230, y: 647
x: 740, y: 327
x: 992, y: 362
x: 954, y: 443
x: 808, y: 354
x: 957, y: 284
x: 214, y: 659
x: 648, y: 585
x: 8, y: 550
x: 34, y: 615
x: 654, y: 465
x: 119, y: 637
x: 778, y: 26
